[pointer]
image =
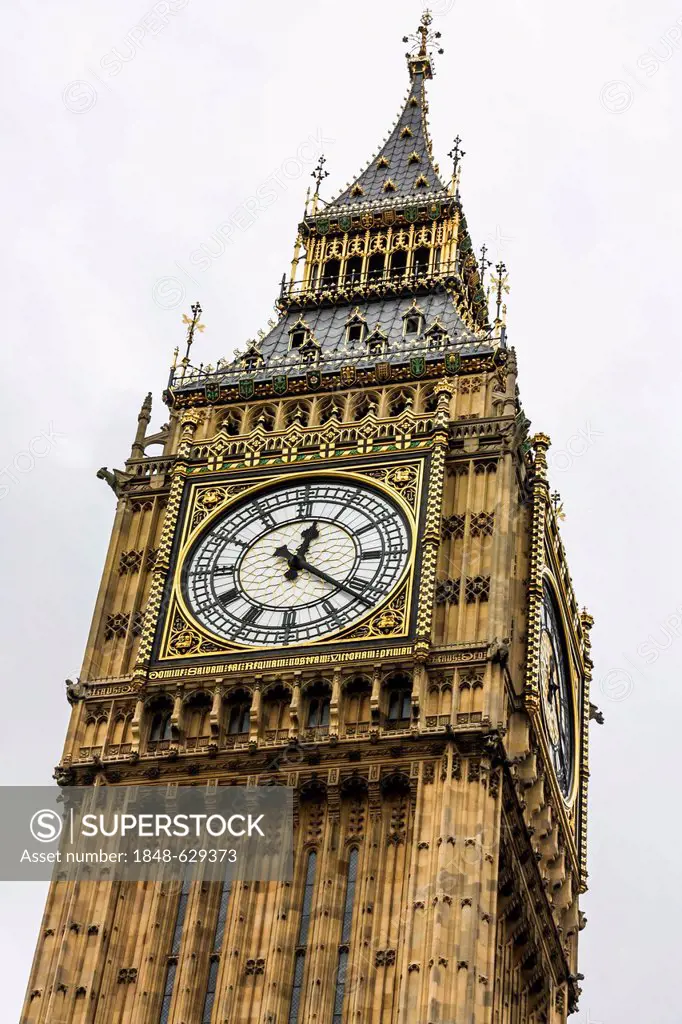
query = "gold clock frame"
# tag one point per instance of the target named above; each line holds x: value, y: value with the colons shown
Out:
x: 574, y: 681
x: 183, y: 637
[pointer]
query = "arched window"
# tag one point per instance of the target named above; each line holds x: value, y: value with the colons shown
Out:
x: 344, y: 950
x: 319, y: 698
x: 161, y: 725
x: 399, y: 700
x: 119, y: 729
x: 399, y: 703
x: 356, y: 706
x: 239, y: 717
x: 375, y: 267
x: 120, y: 737
x: 275, y: 713
x: 318, y: 712
x: 420, y: 261
x: 330, y: 273
x: 100, y: 733
x: 399, y: 262
x: 353, y: 269
x: 303, y: 929
x: 197, y: 721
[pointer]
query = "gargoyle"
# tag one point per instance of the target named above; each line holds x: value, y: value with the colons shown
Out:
x: 115, y: 479
x: 74, y: 691
x: 596, y: 715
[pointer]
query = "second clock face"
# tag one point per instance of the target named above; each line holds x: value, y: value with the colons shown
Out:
x: 297, y: 563
x: 557, y: 700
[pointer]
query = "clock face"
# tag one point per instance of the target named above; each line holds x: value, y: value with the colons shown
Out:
x: 555, y: 687
x: 297, y: 563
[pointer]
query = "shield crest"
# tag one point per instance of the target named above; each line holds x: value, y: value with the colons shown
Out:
x: 452, y: 362
x: 314, y: 378
x: 367, y: 220
x: 389, y: 217
x: 410, y: 214
x: 246, y: 387
x: 347, y: 375
x: 323, y: 225
x: 383, y: 371
x: 212, y: 391
x: 345, y: 223
x: 280, y: 383
x: 434, y: 210
x: 417, y: 366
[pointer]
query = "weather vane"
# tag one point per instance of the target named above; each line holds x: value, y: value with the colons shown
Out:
x: 193, y: 324
x: 423, y: 38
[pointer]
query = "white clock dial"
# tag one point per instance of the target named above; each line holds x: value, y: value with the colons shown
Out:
x: 297, y: 563
x: 555, y: 691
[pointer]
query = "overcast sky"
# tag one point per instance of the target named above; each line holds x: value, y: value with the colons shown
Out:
x: 130, y: 144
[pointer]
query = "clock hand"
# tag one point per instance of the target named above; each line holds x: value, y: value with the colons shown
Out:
x: 292, y: 559
x: 295, y: 560
x: 334, y: 583
x: 309, y: 535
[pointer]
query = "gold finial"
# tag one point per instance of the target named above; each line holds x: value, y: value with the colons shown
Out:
x: 176, y: 353
x: 193, y: 324
x: 456, y: 154
x: 419, y: 56
x: 318, y: 175
x: 557, y: 505
x: 501, y: 284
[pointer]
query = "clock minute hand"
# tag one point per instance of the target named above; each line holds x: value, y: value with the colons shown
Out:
x: 334, y: 583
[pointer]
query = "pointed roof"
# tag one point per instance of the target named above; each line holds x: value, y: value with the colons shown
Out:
x: 404, y: 166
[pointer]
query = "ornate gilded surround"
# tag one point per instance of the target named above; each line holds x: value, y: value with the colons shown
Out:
x: 180, y: 638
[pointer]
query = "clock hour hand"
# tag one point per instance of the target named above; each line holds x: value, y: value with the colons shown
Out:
x: 292, y: 559
x: 296, y: 560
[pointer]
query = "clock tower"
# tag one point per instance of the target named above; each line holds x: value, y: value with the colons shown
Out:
x: 343, y: 575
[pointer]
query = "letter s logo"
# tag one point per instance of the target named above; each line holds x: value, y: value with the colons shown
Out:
x: 46, y: 826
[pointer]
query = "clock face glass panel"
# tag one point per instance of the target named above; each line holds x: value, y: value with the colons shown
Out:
x: 297, y: 563
x: 555, y: 688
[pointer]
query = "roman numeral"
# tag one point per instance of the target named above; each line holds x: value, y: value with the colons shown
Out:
x: 252, y: 616
x: 372, y: 526
x: 264, y: 514
x: 228, y: 597
x: 331, y: 612
x: 289, y: 619
x: 368, y: 555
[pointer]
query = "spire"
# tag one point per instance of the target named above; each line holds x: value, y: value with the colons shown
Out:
x: 404, y: 166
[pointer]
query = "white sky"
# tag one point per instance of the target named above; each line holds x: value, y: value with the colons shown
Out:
x: 571, y: 179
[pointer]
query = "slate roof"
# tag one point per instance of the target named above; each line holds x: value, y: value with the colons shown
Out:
x: 328, y: 328
x: 409, y: 136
